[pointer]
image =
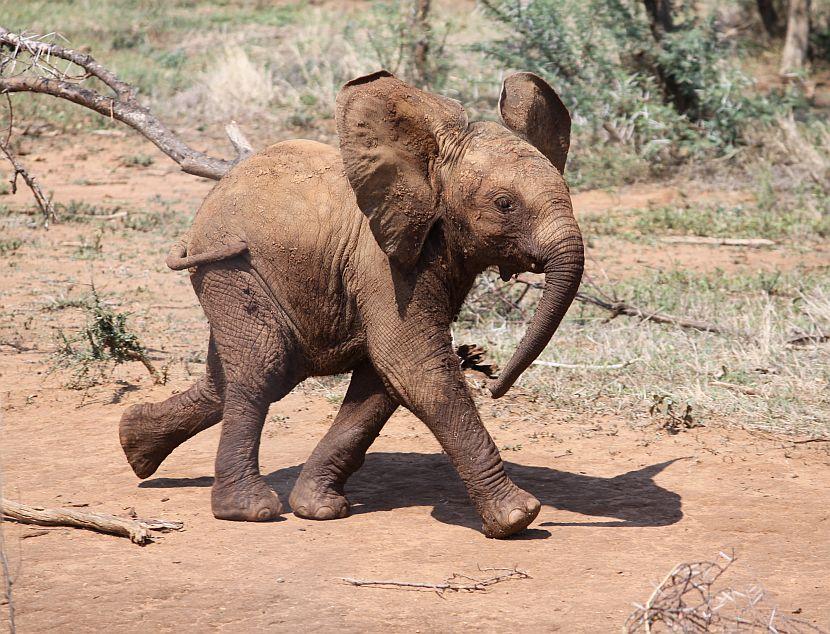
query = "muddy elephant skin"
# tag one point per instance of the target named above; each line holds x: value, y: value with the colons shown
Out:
x: 309, y: 261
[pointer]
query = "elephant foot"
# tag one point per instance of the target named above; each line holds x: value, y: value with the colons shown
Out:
x: 509, y: 515
x: 252, y: 502
x: 141, y: 443
x: 313, y: 503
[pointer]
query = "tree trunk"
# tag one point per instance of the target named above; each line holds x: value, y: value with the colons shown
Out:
x: 770, y: 18
x: 661, y: 21
x: 420, y: 53
x: 798, y: 37
x: 660, y: 17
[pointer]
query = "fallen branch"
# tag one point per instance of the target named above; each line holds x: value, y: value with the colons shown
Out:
x: 36, y: 55
x: 136, y: 529
x: 617, y: 308
x: 456, y: 583
x: 752, y: 243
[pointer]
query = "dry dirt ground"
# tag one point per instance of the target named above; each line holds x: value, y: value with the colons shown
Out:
x: 622, y: 504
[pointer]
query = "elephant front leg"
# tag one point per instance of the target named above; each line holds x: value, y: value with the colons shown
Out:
x: 433, y: 387
x: 318, y: 493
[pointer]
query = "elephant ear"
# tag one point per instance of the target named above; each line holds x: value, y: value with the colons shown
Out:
x: 533, y: 110
x: 391, y: 137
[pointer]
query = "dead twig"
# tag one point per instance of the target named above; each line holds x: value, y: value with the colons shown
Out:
x: 617, y: 307
x: 688, y: 600
x: 455, y: 583
x: 35, y: 56
x: 136, y: 529
x: 43, y: 201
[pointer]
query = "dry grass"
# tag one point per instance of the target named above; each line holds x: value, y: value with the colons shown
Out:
x: 760, y: 381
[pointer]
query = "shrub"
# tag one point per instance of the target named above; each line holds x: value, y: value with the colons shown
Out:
x: 664, y: 101
x: 104, y: 340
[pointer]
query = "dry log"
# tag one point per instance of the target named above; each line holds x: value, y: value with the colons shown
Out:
x: 122, y: 105
x: 136, y: 529
x: 718, y: 242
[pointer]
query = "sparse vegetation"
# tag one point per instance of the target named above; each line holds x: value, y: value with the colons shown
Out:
x: 103, y: 342
x: 137, y: 160
x: 8, y: 247
x: 786, y: 383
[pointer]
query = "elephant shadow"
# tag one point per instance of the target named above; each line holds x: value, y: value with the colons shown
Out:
x: 395, y: 480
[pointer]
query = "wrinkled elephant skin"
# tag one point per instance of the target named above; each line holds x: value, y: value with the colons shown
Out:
x: 309, y: 261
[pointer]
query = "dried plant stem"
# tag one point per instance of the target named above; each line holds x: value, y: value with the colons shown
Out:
x: 455, y: 583
x: 136, y: 529
x: 41, y: 199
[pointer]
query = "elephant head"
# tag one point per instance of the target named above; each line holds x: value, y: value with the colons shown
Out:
x: 413, y: 160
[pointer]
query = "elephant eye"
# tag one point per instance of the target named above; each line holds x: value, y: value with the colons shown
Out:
x: 504, y: 203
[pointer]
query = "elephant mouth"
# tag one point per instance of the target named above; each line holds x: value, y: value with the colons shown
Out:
x: 508, y: 272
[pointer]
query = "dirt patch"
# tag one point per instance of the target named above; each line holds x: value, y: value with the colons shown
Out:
x: 620, y: 508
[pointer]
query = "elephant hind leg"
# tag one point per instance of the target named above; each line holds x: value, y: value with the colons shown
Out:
x: 149, y: 432
x: 318, y: 493
x: 262, y: 362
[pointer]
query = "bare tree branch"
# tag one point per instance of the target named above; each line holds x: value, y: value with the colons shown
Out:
x: 42, y: 201
x: 122, y: 105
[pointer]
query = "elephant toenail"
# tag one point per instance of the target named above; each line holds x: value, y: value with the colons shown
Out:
x: 325, y: 513
x: 264, y: 514
x: 516, y: 516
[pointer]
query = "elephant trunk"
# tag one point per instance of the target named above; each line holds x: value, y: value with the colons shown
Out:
x: 563, y: 264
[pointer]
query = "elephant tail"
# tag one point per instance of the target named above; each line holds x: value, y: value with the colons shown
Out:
x: 177, y: 258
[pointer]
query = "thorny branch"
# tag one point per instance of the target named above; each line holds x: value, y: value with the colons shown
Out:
x: 28, y: 64
x: 43, y: 201
x: 455, y: 583
x: 688, y: 600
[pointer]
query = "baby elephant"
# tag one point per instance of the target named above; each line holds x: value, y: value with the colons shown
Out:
x: 309, y: 261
